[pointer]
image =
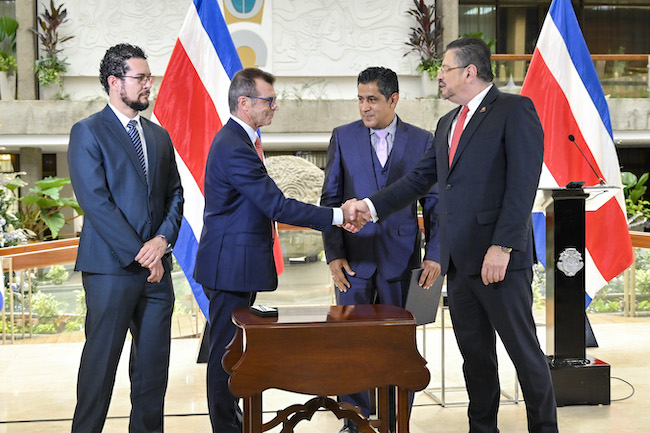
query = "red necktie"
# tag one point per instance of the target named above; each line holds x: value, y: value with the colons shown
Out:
x: 277, y: 249
x: 458, y: 131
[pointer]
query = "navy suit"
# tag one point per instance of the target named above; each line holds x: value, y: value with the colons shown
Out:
x: 121, y: 212
x: 382, y: 254
x: 390, y: 247
x: 486, y: 197
x: 235, y: 255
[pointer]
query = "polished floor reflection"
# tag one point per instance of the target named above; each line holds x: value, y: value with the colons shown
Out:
x: 37, y: 388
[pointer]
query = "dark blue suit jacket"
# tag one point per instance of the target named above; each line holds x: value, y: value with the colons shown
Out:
x: 486, y: 197
x: 392, y: 245
x: 235, y: 250
x: 120, y: 211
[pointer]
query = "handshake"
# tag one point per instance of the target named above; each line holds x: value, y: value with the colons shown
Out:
x: 355, y: 215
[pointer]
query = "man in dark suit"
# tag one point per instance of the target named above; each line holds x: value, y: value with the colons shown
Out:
x: 234, y: 260
x: 487, y: 170
x: 124, y: 176
x: 364, y: 157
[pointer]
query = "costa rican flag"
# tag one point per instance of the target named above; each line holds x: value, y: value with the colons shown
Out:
x: 563, y: 84
x: 192, y: 105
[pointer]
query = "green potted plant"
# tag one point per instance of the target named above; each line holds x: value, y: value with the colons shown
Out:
x: 424, y: 39
x: 40, y: 212
x: 50, y: 66
x: 638, y: 209
x: 8, y: 28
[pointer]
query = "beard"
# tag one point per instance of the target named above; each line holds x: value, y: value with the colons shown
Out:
x: 135, y: 104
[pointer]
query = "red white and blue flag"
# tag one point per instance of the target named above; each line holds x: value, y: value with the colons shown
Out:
x: 564, y: 86
x: 192, y: 105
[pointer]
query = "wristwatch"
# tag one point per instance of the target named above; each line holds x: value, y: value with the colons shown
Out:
x: 506, y: 249
x: 169, y: 248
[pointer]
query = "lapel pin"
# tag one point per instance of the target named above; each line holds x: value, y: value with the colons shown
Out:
x: 483, y: 110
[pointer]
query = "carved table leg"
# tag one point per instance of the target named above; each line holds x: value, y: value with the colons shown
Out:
x: 403, y: 413
x: 253, y: 414
x: 383, y: 409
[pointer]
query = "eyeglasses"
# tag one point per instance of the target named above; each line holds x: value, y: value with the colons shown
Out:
x: 142, y: 79
x: 445, y: 69
x: 271, y: 101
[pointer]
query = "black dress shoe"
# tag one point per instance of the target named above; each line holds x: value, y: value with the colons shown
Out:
x: 351, y: 428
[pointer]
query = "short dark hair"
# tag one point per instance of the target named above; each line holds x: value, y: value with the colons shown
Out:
x: 473, y: 51
x: 385, y: 78
x: 243, y: 84
x: 114, y: 61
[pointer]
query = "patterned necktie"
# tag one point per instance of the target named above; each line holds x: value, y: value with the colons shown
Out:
x: 458, y: 131
x: 258, y: 148
x: 382, y: 146
x: 135, y: 138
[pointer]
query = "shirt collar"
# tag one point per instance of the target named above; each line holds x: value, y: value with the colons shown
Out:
x: 124, y: 119
x: 391, y: 128
x: 249, y: 130
x: 476, y: 100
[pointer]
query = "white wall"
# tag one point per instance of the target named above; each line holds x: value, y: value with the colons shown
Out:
x: 323, y: 44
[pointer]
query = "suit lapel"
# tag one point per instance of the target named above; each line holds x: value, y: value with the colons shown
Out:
x: 239, y: 130
x: 152, y: 150
x: 115, y: 127
x: 397, y: 152
x: 246, y: 140
x: 477, y: 118
x: 442, y: 149
x: 363, y: 154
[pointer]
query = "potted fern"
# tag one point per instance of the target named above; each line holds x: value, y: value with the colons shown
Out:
x: 8, y: 28
x: 49, y: 66
x: 424, y: 39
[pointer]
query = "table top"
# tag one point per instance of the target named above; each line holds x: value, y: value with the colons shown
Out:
x: 325, y: 315
x: 330, y: 350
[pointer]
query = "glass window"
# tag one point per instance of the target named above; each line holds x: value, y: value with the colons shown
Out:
x: 617, y: 29
x: 477, y: 19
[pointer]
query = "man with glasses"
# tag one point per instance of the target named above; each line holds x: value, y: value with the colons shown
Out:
x: 124, y: 176
x: 487, y: 159
x: 235, y: 260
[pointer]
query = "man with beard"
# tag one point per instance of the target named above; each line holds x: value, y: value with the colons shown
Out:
x: 125, y: 178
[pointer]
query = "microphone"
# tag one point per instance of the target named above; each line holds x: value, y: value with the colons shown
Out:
x: 573, y: 140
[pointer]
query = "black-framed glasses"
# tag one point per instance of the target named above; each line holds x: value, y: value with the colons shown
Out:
x: 142, y: 79
x: 447, y: 69
x: 271, y: 101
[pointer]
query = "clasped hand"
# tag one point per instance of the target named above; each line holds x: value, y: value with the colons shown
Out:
x: 355, y: 215
x: 150, y: 256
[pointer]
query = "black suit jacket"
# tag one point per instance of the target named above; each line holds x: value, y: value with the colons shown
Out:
x: 487, y: 194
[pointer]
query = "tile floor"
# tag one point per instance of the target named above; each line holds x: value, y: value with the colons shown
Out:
x: 37, y: 388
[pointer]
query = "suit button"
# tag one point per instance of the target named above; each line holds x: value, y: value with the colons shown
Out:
x: 148, y: 221
x: 448, y: 186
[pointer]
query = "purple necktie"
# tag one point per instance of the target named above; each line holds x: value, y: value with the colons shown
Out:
x: 382, y: 146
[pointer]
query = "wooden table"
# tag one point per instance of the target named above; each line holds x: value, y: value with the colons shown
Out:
x: 325, y: 351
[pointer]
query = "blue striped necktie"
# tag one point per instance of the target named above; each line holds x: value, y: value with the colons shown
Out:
x: 135, y: 138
